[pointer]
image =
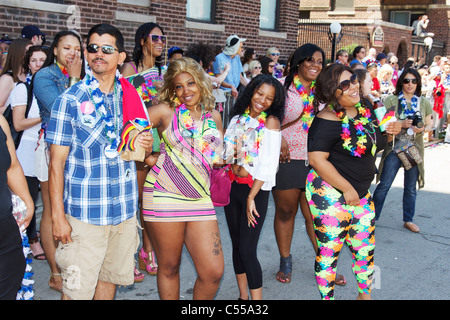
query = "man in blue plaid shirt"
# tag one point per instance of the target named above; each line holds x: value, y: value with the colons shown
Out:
x: 94, y: 193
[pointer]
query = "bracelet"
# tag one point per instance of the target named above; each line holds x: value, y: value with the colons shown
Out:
x: 73, y: 80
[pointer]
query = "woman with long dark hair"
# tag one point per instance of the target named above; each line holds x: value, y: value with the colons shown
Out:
x: 63, y: 67
x: 305, y: 66
x: 26, y: 119
x: 12, y: 72
x: 408, y: 104
x: 146, y: 73
x: 252, y: 144
x: 342, y: 144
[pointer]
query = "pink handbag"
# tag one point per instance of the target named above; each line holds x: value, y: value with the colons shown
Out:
x: 220, y: 186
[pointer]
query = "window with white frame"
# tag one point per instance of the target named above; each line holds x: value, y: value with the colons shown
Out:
x: 200, y: 10
x: 342, y: 5
x: 268, y: 16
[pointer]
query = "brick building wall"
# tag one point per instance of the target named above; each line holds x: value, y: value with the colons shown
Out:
x: 367, y: 14
x: 231, y: 17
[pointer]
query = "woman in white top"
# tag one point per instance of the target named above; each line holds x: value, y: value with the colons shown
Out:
x: 26, y: 118
x: 252, y: 147
x: 12, y: 72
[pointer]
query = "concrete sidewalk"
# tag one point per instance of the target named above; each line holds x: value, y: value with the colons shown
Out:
x: 409, y: 266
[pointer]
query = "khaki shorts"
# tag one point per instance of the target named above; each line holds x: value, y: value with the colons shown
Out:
x: 97, y: 253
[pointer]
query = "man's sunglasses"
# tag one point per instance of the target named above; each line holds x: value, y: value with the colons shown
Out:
x: 345, y: 85
x: 414, y: 81
x: 106, y: 49
x: 155, y: 38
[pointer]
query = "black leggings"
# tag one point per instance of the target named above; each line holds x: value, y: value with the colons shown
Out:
x: 33, y: 187
x: 12, y: 259
x: 244, y: 238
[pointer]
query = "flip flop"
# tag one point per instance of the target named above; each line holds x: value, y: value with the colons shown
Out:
x: 285, y: 269
x: 36, y: 250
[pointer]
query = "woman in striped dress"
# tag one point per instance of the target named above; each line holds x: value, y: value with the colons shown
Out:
x: 177, y: 207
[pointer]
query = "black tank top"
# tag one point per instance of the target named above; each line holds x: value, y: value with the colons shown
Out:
x: 5, y: 163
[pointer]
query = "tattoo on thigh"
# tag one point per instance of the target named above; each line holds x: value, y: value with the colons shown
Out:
x: 217, y: 244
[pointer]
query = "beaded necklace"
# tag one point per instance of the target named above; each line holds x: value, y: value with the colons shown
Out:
x: 252, y: 151
x: 109, y: 116
x: 307, y: 101
x: 360, y: 131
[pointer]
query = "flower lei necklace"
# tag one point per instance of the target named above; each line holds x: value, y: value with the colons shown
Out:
x: 109, y: 116
x: 191, y: 130
x: 252, y: 151
x: 414, y: 102
x: 307, y: 101
x: 147, y: 91
x: 360, y: 130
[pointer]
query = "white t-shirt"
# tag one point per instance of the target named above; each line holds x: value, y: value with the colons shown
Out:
x: 265, y: 165
x: 25, y: 151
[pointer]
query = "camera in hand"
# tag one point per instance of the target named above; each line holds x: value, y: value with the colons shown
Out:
x: 417, y: 119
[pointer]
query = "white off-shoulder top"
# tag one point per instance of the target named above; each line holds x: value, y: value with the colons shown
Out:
x: 265, y: 164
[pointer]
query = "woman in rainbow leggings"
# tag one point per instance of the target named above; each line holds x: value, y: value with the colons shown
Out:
x: 342, y: 144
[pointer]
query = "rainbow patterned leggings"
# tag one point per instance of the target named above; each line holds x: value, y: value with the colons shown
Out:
x: 336, y: 223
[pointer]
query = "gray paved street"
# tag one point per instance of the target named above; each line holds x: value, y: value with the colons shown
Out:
x: 408, y: 266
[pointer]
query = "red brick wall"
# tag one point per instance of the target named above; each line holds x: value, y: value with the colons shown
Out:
x: 239, y: 17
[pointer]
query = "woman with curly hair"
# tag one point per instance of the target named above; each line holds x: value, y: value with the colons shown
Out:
x: 177, y: 206
x: 343, y: 140
x: 252, y: 146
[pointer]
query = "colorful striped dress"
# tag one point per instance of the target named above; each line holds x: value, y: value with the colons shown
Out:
x: 177, y: 187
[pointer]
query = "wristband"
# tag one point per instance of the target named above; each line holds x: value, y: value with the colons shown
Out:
x: 73, y: 80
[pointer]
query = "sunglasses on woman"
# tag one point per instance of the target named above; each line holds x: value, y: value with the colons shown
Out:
x: 106, y: 49
x: 345, y: 85
x: 275, y: 54
x: 406, y: 81
x: 155, y: 38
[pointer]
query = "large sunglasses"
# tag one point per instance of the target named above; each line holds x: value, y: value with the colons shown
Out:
x: 406, y: 81
x: 155, y: 38
x: 106, y: 49
x: 345, y: 85
x: 275, y: 54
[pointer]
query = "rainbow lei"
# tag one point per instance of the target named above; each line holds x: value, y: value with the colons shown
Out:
x: 189, y: 125
x: 307, y: 100
x: 252, y: 151
x: 147, y: 91
x: 63, y: 70
x: 359, y: 126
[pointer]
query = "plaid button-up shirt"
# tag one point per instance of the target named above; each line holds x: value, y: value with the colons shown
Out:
x: 97, y: 190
